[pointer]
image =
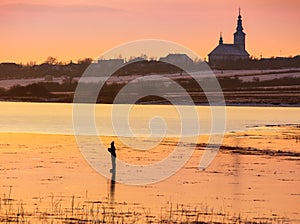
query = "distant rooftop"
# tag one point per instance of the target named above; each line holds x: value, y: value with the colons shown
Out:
x: 228, y: 50
x: 176, y: 57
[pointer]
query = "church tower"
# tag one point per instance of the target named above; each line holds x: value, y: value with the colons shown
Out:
x: 239, y: 35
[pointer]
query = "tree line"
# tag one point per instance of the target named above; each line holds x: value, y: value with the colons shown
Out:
x: 260, y: 64
x: 51, y: 66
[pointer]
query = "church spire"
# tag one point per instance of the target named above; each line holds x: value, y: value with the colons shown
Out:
x: 221, y: 39
x: 239, y: 27
x: 239, y: 35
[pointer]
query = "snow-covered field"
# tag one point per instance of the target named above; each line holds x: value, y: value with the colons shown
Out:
x: 245, y: 75
x: 249, y: 75
x: 23, y: 82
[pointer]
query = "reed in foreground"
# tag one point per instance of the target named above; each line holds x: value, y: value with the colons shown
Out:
x: 89, y: 211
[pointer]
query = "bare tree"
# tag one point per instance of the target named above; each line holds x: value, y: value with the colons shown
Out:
x: 51, y: 60
x: 31, y: 64
x: 86, y: 61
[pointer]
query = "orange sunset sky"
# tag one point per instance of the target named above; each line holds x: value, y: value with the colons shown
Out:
x: 32, y: 30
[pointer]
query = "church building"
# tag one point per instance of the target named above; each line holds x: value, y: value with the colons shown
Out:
x: 230, y: 52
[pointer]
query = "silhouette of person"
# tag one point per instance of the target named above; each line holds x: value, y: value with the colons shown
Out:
x: 113, y: 154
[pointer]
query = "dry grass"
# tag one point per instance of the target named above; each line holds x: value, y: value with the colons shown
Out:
x: 89, y: 211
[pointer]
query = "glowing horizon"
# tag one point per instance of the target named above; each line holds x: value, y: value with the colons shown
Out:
x: 32, y: 30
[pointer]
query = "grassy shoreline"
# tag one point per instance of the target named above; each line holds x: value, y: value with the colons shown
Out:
x: 96, y: 211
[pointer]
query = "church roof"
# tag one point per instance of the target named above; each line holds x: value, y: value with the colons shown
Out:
x: 228, y: 50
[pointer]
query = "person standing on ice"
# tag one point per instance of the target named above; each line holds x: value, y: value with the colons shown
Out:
x: 113, y: 154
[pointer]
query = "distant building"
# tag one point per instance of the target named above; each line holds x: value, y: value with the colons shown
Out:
x: 181, y: 60
x: 230, y: 52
